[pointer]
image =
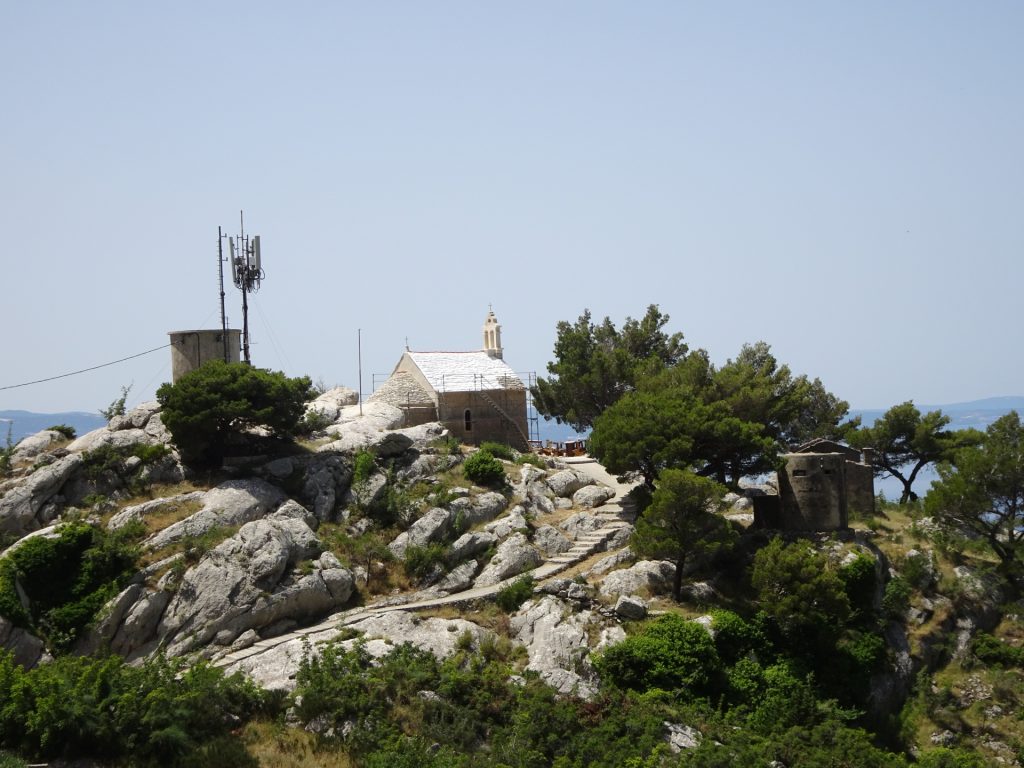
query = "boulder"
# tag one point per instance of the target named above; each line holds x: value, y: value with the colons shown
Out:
x: 22, y: 505
x: 441, y: 637
x: 592, y: 496
x: 550, y: 542
x: 479, y: 509
x: 581, y: 522
x: 565, y: 483
x: 514, y: 556
x: 31, y: 446
x: 630, y: 607
x: 680, y: 737
x: 27, y: 649
x: 121, y: 438
x: 459, y: 579
x: 327, y: 479
x: 435, y: 525
x: 472, y: 543
x: 611, y: 562
x: 233, y: 502
x: 505, y: 526
x: 247, y: 582
x: 650, y: 577
x: 331, y: 402
x: 139, y: 623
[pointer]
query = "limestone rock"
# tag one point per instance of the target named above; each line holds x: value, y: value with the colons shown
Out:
x: 233, y: 502
x: 505, y: 526
x: 21, y: 506
x: 459, y: 579
x: 646, y: 577
x: 514, y: 556
x: 247, y: 583
x: 121, y: 438
x: 611, y: 562
x: 581, y: 522
x: 436, y: 524
x: 565, y: 483
x: 592, y: 496
x: 555, y: 637
x: 472, y: 543
x: 328, y: 478
x: 680, y: 737
x: 140, y: 511
x: 630, y: 607
x: 31, y: 446
x: 550, y: 542
x: 440, y: 637
x: 480, y: 508
x: 27, y: 649
x: 139, y: 623
x: 331, y: 402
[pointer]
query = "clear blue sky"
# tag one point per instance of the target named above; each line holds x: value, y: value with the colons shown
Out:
x: 842, y: 180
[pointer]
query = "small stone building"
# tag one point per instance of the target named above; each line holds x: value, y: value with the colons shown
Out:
x: 190, y: 349
x: 476, y: 395
x: 821, y: 484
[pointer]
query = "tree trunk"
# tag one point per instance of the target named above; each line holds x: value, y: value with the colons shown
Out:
x: 677, y: 579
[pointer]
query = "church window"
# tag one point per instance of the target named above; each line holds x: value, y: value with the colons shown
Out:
x: 468, y: 417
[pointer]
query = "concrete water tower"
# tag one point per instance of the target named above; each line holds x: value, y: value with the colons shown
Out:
x: 190, y: 349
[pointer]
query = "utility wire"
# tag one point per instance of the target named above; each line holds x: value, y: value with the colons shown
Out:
x: 85, y: 370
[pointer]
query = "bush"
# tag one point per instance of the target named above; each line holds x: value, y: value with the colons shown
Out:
x: 498, y: 450
x: 420, y: 561
x: 670, y: 653
x: 68, y: 433
x: 218, y: 400
x: 66, y: 580
x: 532, y: 459
x: 896, y: 599
x: 858, y: 579
x: 161, y: 713
x: 990, y: 650
x: 482, y: 468
x: 515, y: 594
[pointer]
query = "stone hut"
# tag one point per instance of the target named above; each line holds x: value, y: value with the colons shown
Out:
x: 476, y: 395
x: 821, y: 484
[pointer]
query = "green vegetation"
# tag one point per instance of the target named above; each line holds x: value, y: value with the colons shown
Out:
x: 498, y: 450
x: 219, y: 401
x: 117, y: 405
x: 55, y: 587
x: 595, y: 365
x: 163, y: 713
x: 981, y: 494
x: 905, y: 441
x: 65, y: 431
x: 483, y: 469
x: 509, y: 598
x: 681, y: 522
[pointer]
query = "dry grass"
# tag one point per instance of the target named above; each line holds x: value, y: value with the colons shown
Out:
x: 278, y: 746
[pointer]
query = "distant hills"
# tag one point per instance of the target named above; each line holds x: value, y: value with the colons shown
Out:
x: 974, y: 413
x: 25, y: 423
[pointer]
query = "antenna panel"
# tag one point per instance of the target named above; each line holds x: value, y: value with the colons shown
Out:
x: 256, y: 253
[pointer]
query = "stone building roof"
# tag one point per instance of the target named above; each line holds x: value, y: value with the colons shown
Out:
x: 401, y: 390
x: 465, y: 371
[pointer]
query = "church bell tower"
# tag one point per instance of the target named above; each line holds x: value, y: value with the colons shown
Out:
x: 492, y: 335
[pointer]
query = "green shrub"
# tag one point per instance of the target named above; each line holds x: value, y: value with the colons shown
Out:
x: 990, y: 650
x: 208, y: 406
x: 362, y: 467
x: 670, y: 653
x: 896, y: 599
x: 531, y: 458
x: 68, y: 433
x: 117, y: 405
x: 482, y: 468
x: 312, y: 421
x: 515, y: 594
x: 161, y: 713
x: 498, y: 450
x: 858, y: 579
x: 66, y: 579
x: 420, y: 561
x: 734, y: 637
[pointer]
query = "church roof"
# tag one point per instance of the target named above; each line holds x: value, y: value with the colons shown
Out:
x: 465, y: 371
x: 401, y: 390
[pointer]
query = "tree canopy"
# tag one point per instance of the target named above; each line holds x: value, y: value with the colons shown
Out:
x: 981, y: 493
x: 681, y: 521
x: 596, y: 364
x: 905, y: 441
x: 205, y: 407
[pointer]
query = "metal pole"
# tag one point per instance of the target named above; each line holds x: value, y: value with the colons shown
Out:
x: 220, y: 272
x: 244, y: 249
x: 359, y: 337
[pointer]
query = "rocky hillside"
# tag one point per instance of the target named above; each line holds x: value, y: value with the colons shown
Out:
x: 371, y: 535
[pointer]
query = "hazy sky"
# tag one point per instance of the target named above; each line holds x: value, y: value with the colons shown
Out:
x: 842, y: 180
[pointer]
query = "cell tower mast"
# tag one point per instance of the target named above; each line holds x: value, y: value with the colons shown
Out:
x: 248, y: 272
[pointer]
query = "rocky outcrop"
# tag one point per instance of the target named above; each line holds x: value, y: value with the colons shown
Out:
x: 550, y: 542
x: 592, y: 496
x: 248, y: 582
x: 26, y: 649
x: 567, y: 482
x: 33, y: 445
x: 650, y: 577
x: 140, y: 511
x: 514, y: 556
x: 479, y: 509
x: 555, y: 636
x: 435, y: 525
x: 330, y: 404
x: 472, y: 543
x: 231, y: 503
x: 24, y: 508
